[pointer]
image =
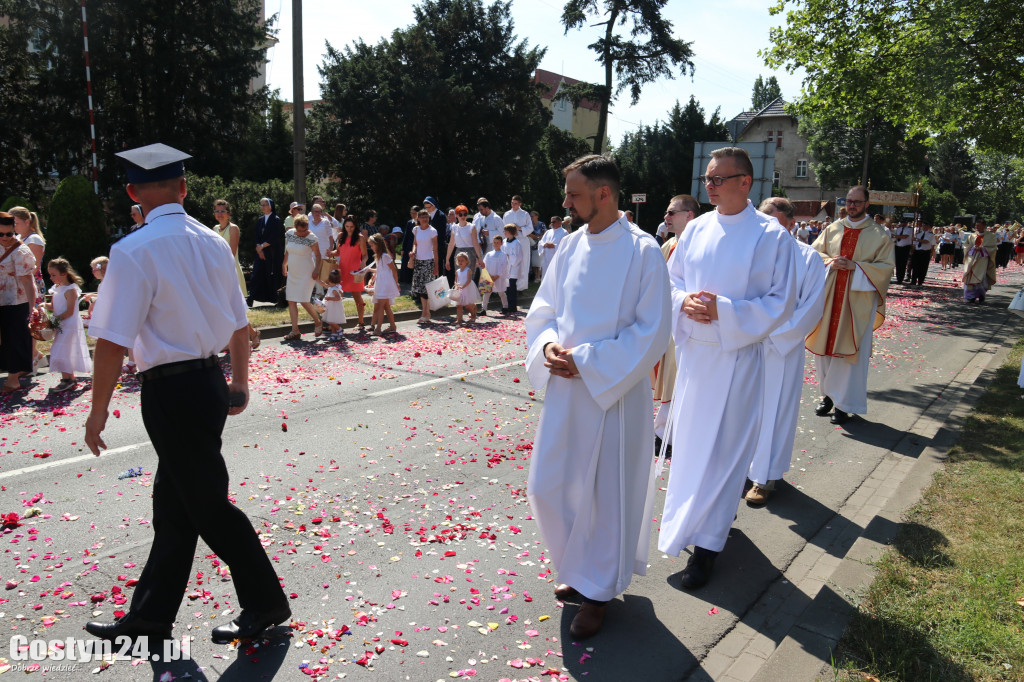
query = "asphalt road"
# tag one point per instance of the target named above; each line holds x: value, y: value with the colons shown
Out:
x: 387, y: 481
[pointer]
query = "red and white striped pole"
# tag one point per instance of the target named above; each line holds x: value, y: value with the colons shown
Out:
x: 92, y: 117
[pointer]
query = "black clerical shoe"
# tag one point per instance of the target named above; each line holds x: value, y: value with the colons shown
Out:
x: 657, y: 448
x: 823, y: 407
x: 840, y: 417
x: 129, y: 626
x: 250, y: 624
x: 698, y: 569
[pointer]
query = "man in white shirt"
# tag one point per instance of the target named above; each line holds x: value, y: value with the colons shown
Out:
x: 733, y: 283
x: 521, y: 219
x: 549, y: 242
x: 661, y: 234
x: 924, y: 245
x: 784, y: 364
x: 320, y: 225
x: 903, y: 239
x: 802, y: 233
x: 487, y: 223
x: 599, y: 322
x: 171, y: 292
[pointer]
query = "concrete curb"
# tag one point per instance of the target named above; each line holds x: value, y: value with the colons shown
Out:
x: 792, y: 631
x: 406, y: 316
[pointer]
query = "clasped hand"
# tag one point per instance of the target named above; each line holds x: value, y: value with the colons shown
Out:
x: 841, y: 263
x: 701, y: 307
x: 559, y: 361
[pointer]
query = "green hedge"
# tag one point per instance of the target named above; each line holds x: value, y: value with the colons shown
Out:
x: 76, y: 225
x: 244, y: 197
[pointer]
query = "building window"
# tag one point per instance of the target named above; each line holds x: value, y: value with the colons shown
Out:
x: 777, y: 179
x: 770, y: 134
x: 778, y: 140
x: 801, y: 168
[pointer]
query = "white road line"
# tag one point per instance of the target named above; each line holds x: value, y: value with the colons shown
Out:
x: 454, y: 377
x: 70, y: 460
x: 128, y: 448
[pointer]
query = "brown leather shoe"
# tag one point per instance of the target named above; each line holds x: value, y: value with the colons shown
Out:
x: 588, y: 620
x: 757, y: 495
x: 565, y: 592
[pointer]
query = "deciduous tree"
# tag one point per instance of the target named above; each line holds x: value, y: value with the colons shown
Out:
x: 931, y: 65
x: 173, y: 72
x: 447, y: 107
x: 648, y: 52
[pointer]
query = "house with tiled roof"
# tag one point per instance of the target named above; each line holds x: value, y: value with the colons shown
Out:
x: 581, y: 120
x: 793, y: 171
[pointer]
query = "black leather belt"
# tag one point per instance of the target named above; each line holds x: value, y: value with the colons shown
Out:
x: 172, y: 368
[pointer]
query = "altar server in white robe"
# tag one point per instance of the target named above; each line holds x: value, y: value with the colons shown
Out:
x: 598, y: 324
x: 784, y: 363
x: 733, y: 283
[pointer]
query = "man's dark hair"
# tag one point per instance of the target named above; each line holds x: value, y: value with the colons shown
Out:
x: 516, y: 197
x: 598, y: 170
x: 863, y: 189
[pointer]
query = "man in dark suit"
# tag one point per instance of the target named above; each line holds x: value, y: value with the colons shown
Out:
x: 266, y: 267
x: 440, y: 223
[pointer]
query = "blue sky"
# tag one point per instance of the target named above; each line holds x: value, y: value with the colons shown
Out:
x: 726, y: 36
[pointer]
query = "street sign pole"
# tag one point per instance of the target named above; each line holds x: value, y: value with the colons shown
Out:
x: 637, y: 200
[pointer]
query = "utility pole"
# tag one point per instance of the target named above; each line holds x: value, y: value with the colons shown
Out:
x: 298, y: 107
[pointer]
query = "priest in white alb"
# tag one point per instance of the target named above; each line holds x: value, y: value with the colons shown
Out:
x: 549, y: 242
x: 860, y: 258
x: 733, y: 283
x: 784, y: 363
x: 598, y: 324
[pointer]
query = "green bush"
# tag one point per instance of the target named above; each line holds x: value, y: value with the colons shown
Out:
x: 17, y: 201
x: 76, y: 226
x: 244, y: 197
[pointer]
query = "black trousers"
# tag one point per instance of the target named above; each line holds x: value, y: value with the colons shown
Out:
x: 902, y: 256
x: 184, y: 416
x: 15, y: 340
x: 512, y: 293
x: 919, y: 266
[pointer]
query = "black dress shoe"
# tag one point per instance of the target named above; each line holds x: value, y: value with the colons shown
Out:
x: 698, y: 568
x: 250, y: 624
x: 823, y: 407
x: 840, y: 417
x: 657, y: 448
x: 130, y: 626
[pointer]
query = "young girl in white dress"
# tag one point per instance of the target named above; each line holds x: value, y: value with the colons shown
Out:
x: 334, y: 302
x: 69, y: 353
x: 496, y: 263
x: 385, y: 284
x: 469, y: 295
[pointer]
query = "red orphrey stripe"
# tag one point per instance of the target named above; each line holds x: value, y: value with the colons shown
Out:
x: 839, y: 300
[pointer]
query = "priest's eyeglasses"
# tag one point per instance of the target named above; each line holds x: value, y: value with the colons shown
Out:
x: 718, y: 180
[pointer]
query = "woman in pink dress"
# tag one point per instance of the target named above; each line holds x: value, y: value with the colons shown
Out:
x: 352, y: 257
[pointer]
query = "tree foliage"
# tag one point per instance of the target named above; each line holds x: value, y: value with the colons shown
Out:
x: 930, y: 65
x: 447, y: 106
x: 658, y: 159
x: 244, y: 197
x: 937, y: 206
x: 76, y: 225
x: 1000, y: 191
x: 951, y: 166
x: 837, y: 148
x: 176, y: 72
x: 267, y: 153
x: 647, y: 53
x: 557, y: 149
x: 766, y: 91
